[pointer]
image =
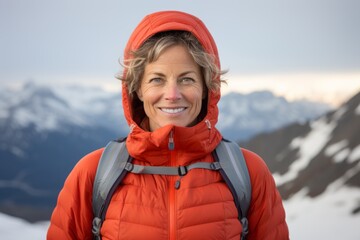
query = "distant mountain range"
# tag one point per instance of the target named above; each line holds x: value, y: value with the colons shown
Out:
x: 49, y: 109
x: 244, y: 115
x: 46, y: 130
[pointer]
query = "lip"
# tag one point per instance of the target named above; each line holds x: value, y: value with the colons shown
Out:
x: 172, y: 110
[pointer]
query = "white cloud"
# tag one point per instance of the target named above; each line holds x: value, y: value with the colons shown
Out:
x: 332, y: 88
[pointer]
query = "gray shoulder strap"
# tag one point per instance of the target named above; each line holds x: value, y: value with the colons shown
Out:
x: 110, y: 172
x: 235, y: 173
x: 115, y: 163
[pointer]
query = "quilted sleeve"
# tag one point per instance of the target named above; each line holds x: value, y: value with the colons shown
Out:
x: 72, y: 216
x: 266, y: 214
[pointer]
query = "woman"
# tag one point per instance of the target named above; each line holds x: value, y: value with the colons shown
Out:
x: 170, y: 91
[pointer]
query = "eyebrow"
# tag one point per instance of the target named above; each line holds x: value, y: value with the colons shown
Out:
x: 181, y: 75
x: 187, y: 72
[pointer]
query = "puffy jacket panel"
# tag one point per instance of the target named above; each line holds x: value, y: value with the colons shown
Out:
x: 203, y: 208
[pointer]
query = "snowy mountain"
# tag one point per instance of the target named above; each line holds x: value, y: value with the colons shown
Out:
x: 243, y: 116
x: 309, y: 156
x: 316, y: 166
x: 46, y: 130
x: 57, y: 108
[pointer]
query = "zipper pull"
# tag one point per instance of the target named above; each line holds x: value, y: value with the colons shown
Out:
x: 177, y: 183
x: 132, y: 126
x: 208, y: 124
x: 171, y: 144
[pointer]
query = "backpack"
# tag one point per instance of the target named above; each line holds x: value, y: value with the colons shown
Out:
x: 115, y: 163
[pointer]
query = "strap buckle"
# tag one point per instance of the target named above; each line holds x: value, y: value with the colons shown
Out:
x: 245, y: 226
x: 182, y: 170
x: 96, y: 225
x: 215, y: 166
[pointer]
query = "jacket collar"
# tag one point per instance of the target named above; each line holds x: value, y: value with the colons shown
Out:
x: 189, y: 143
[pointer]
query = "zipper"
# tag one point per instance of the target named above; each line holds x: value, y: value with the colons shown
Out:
x: 132, y: 126
x: 208, y: 125
x: 171, y: 144
x: 172, y: 209
x: 172, y: 190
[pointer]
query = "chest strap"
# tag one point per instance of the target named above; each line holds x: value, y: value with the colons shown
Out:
x: 173, y: 171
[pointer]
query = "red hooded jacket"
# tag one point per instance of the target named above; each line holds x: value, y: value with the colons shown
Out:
x: 149, y: 206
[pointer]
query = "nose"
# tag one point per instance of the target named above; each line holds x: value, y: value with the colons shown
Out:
x: 172, y: 91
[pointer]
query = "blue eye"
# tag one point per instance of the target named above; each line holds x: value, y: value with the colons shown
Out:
x: 187, y: 80
x: 155, y: 80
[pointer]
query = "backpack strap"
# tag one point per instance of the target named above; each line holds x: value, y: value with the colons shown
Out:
x: 115, y: 162
x: 173, y: 171
x: 110, y: 172
x: 235, y: 173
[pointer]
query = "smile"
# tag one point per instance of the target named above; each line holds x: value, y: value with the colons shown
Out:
x: 172, y: 110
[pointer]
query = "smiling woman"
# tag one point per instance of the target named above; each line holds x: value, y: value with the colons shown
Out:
x: 170, y: 91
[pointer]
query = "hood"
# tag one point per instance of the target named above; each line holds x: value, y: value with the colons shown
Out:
x: 149, y: 26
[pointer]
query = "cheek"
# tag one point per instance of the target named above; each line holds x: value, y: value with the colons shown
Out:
x: 196, y: 96
x: 200, y: 92
x: 147, y: 93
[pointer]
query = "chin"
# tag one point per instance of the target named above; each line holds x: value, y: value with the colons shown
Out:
x: 179, y: 124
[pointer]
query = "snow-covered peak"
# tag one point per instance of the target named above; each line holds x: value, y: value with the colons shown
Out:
x: 52, y: 108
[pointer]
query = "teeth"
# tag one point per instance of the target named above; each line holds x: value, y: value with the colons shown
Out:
x: 172, y: 110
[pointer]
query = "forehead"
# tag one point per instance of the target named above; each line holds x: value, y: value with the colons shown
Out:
x: 173, y: 58
x: 175, y: 53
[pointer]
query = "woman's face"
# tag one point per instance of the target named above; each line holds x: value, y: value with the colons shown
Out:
x: 172, y: 89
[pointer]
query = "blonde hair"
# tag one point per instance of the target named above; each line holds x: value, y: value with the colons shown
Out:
x: 152, y: 48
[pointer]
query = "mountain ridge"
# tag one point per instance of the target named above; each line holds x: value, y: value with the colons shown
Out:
x: 317, y: 156
x: 49, y: 107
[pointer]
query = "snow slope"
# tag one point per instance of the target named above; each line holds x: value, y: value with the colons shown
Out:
x: 12, y: 228
x: 327, y: 216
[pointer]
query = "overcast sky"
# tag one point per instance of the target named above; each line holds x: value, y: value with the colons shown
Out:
x: 48, y: 40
